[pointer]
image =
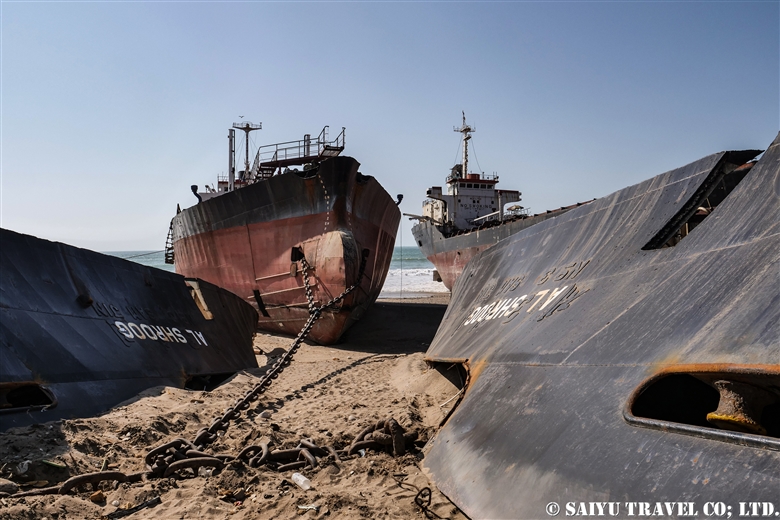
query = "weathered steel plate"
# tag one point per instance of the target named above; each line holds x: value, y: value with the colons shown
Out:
x: 94, y: 330
x: 549, y: 413
x: 243, y: 240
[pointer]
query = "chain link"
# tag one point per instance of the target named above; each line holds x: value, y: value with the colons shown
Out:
x: 165, y: 460
x: 159, y: 459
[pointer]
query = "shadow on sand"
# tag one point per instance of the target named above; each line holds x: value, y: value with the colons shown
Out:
x: 395, y: 328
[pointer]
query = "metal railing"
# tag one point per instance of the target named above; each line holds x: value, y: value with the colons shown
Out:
x: 510, y: 212
x: 487, y: 218
x: 246, y: 125
x: 482, y: 176
x: 302, y: 149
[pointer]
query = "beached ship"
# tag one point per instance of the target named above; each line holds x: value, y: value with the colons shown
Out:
x: 254, y: 232
x: 470, y: 217
x: 624, y: 357
x: 81, y: 331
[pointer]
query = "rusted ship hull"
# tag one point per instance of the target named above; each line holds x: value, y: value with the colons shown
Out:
x: 81, y: 331
x: 244, y: 241
x: 617, y: 357
x: 450, y: 254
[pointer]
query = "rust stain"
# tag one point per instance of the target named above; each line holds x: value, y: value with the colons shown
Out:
x: 475, y: 369
x: 730, y: 368
x: 740, y: 406
x: 709, y: 372
x: 461, y: 361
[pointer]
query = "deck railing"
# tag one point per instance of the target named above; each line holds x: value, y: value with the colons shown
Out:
x: 302, y: 150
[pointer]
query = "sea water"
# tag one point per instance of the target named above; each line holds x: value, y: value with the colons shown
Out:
x: 410, y: 274
x: 150, y: 258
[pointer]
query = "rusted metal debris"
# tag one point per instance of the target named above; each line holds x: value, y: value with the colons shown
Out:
x: 741, y: 406
x: 385, y: 434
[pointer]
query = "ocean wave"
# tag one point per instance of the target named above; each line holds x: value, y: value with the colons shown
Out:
x: 409, y: 273
x: 411, y: 281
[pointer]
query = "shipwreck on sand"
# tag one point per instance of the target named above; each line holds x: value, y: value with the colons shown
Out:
x: 626, y: 351
x: 284, y: 239
x: 81, y: 331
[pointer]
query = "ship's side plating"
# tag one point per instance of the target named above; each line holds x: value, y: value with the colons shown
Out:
x: 81, y: 331
x: 451, y: 253
x: 243, y: 241
x: 595, y: 342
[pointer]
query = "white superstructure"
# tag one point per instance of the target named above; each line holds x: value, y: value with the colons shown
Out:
x: 471, y: 198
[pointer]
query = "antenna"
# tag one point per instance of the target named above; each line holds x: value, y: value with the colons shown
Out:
x: 247, y: 127
x: 466, y: 130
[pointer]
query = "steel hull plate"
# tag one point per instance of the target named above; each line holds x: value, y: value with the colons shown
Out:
x: 95, y: 330
x: 562, y: 324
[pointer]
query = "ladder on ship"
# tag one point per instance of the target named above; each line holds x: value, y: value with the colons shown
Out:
x: 169, y: 256
x: 271, y: 157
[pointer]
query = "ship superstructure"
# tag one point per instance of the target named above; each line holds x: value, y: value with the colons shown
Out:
x: 470, y: 217
x: 272, y: 159
x: 471, y: 199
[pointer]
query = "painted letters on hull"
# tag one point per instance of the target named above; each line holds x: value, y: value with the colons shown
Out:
x: 580, y: 333
x: 82, y: 331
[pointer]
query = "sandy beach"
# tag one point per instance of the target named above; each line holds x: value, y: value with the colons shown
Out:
x: 327, y: 394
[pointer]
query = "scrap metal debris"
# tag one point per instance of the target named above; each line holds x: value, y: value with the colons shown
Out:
x: 126, y: 512
x: 385, y: 434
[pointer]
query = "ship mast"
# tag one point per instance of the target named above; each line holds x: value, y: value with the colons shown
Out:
x: 246, y: 127
x: 466, y: 130
x: 231, y: 158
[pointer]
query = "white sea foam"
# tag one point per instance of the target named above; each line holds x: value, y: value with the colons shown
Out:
x: 414, y: 282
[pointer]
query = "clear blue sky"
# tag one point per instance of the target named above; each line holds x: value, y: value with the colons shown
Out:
x: 111, y: 110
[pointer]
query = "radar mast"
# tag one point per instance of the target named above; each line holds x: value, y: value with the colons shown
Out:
x: 246, y: 127
x: 466, y: 130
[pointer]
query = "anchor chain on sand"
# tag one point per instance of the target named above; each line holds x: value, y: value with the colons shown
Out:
x: 179, y: 454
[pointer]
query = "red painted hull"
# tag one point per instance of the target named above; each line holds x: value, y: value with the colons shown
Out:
x: 450, y: 253
x: 450, y: 264
x: 337, y: 219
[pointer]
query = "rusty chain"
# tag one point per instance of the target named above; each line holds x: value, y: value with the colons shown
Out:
x: 166, y: 460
